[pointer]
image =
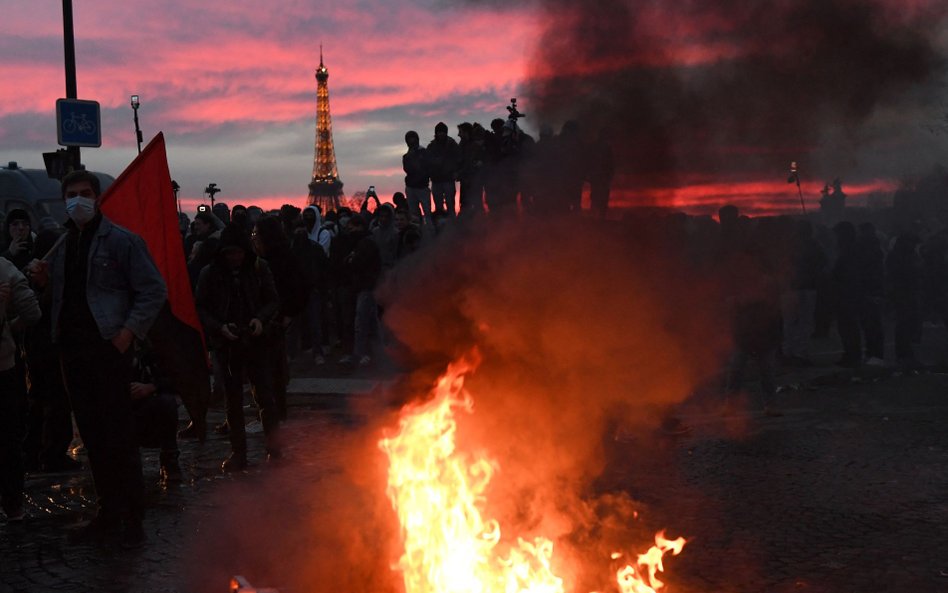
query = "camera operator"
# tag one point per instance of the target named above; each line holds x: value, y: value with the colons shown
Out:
x: 236, y: 299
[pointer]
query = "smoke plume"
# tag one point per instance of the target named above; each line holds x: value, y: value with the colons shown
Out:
x: 584, y: 330
x: 711, y: 88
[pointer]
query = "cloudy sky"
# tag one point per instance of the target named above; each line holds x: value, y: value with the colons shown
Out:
x: 231, y: 85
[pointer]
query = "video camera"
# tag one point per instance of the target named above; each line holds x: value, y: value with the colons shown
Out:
x: 514, y: 114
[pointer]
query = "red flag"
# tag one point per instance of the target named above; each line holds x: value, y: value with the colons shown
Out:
x: 141, y: 200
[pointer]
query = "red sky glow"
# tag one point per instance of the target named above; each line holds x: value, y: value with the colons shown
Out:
x: 232, y: 87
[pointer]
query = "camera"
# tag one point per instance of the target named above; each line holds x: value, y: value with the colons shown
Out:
x: 514, y: 114
x: 203, y: 208
x: 371, y: 192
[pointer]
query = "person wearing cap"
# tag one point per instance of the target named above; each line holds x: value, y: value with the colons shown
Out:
x: 108, y: 294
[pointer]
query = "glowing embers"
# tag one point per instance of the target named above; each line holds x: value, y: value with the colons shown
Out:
x: 438, y: 492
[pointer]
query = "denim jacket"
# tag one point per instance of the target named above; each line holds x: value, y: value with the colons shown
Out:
x: 22, y: 309
x: 123, y: 286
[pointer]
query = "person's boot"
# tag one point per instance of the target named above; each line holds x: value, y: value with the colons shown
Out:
x: 194, y: 431
x: 170, y: 471
x: 235, y: 463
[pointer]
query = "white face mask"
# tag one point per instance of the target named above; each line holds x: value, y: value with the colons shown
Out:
x: 80, y: 210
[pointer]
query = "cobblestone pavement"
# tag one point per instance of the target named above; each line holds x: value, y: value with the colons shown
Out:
x: 846, y: 492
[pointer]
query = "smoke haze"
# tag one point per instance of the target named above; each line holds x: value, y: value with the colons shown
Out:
x: 708, y: 89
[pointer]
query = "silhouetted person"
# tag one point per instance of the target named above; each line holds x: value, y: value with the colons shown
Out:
x: 573, y: 165
x: 798, y: 302
x: 18, y: 239
x: 417, y: 175
x: 235, y: 299
x: 50, y: 420
x: 849, y: 293
x: 106, y: 292
x: 399, y: 200
x: 444, y: 159
x: 363, y: 266
x: 21, y: 310
x: 385, y: 236
x: 222, y: 212
x: 409, y: 237
x: 755, y: 306
x: 470, y: 170
x: 155, y: 411
x: 271, y: 244
x: 601, y: 171
x: 904, y: 275
x: 872, y: 271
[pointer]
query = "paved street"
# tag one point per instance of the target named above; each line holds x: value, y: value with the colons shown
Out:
x: 846, y: 492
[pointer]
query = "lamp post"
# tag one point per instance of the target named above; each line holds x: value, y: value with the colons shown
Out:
x: 176, y: 188
x: 795, y: 178
x: 138, y: 132
x: 210, y: 190
x: 69, y: 52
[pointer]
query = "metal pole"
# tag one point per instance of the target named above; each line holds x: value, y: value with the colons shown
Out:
x: 138, y: 131
x: 69, y: 51
x: 800, y: 191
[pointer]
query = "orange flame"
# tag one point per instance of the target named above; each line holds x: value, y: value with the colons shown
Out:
x: 438, y: 491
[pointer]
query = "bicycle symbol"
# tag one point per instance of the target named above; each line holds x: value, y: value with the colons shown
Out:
x: 79, y: 122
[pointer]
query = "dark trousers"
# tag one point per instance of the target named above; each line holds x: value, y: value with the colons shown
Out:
x: 181, y: 355
x: 908, y: 330
x: 12, y: 433
x: 97, y: 378
x: 279, y: 368
x: 472, y: 195
x: 250, y: 358
x: 49, y: 423
x: 870, y: 319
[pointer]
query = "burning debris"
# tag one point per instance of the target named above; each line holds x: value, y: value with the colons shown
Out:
x: 439, y: 492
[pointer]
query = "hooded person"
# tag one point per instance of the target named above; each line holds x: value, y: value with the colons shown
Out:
x: 18, y: 238
x: 236, y: 299
x: 317, y: 232
x: 314, y: 263
x: 386, y: 235
x: 271, y: 244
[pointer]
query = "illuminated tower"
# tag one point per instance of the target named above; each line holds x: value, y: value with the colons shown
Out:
x: 325, y: 189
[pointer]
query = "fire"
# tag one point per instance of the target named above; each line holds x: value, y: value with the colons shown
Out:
x: 438, y: 493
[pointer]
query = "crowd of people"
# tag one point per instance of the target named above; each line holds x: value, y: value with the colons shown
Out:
x: 78, y: 339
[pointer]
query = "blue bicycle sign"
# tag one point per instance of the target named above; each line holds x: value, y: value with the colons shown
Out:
x: 78, y: 123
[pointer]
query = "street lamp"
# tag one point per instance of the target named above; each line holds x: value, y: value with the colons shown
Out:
x: 176, y: 188
x: 210, y: 190
x: 138, y: 132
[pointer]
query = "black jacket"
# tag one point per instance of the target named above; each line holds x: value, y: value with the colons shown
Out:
x: 213, y: 296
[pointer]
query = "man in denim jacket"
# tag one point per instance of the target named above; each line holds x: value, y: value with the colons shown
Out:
x: 106, y: 291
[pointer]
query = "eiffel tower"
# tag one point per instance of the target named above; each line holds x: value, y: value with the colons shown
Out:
x: 325, y: 189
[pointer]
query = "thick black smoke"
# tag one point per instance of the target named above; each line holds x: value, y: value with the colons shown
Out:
x: 717, y: 87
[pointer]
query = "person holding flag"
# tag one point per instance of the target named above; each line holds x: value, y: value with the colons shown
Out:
x: 106, y: 291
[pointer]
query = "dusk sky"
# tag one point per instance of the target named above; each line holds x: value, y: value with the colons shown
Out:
x: 231, y: 84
